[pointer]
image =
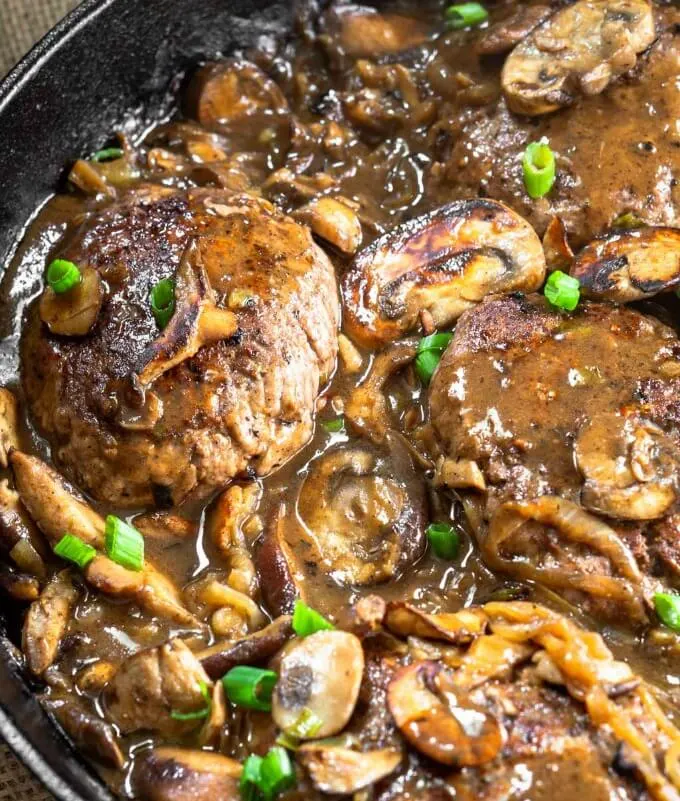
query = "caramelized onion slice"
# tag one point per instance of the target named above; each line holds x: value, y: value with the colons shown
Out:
x: 576, y: 526
x: 321, y: 673
x: 579, y: 50
x: 75, y: 312
x: 438, y: 719
x: 443, y: 262
x: 334, y: 769
x: 624, y: 266
x: 459, y: 627
x: 631, y: 468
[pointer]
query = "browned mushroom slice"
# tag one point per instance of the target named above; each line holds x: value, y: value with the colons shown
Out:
x: 319, y: 675
x: 255, y: 649
x: 631, y: 468
x: 334, y: 221
x: 558, y: 252
x: 508, y: 548
x: 229, y: 93
x: 363, y: 31
x: 9, y: 422
x: 366, y: 408
x: 165, y: 527
x: 502, y: 36
x: 87, y: 177
x: 75, y: 312
x: 197, y: 321
x: 438, y: 719
x: 360, y: 518
x: 46, y: 622
x: 581, y: 49
x: 152, y: 684
x: 89, y: 732
x: 179, y: 774
x: 280, y: 579
x: 456, y: 627
x: 630, y: 265
x: 19, y: 586
x: 443, y: 262
x: 334, y: 769
x: 57, y: 508
x: 19, y: 536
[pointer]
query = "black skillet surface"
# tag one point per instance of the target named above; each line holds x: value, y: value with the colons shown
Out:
x: 110, y: 65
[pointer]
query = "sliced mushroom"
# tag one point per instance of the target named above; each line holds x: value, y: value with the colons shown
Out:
x: 631, y: 468
x: 622, y: 585
x: 89, y: 732
x: 257, y: 648
x: 558, y: 252
x: 75, y: 312
x: 357, y: 31
x: 320, y: 674
x: 236, y: 507
x: 280, y: 579
x: 438, y: 719
x: 47, y: 621
x: 57, y: 508
x: 334, y: 769
x: 350, y: 355
x: 333, y: 221
x: 459, y: 627
x: 165, y: 527
x: 366, y: 408
x: 179, y: 774
x: 19, y: 586
x: 579, y: 50
x: 502, y: 36
x: 459, y: 474
x: 197, y: 321
x: 151, y: 684
x: 444, y: 262
x: 18, y: 534
x: 87, y: 177
x: 360, y: 518
x: 9, y: 425
x: 624, y: 266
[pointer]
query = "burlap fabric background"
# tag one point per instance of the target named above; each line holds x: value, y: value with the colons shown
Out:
x: 23, y: 22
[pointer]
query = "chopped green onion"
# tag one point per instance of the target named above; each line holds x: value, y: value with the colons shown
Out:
x: 199, y: 714
x: 538, y: 165
x: 287, y: 741
x: 308, y: 621
x: 667, y: 607
x: 63, y: 275
x: 276, y: 773
x: 465, y: 15
x: 444, y: 540
x: 250, y: 778
x: 307, y: 725
x: 429, y: 354
x: 334, y: 426
x: 627, y: 221
x: 124, y: 544
x: 75, y: 550
x: 162, y: 300
x: 562, y: 290
x: 250, y: 687
x: 108, y: 154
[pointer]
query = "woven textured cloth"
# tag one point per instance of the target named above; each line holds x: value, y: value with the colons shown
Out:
x: 22, y: 23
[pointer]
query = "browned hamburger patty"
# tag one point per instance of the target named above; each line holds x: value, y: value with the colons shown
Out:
x: 244, y: 404
x: 609, y: 160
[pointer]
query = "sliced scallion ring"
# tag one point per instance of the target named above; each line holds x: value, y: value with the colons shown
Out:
x: 108, y: 154
x: 276, y: 773
x: 429, y: 354
x: 667, y: 607
x: 63, y: 275
x: 308, y: 621
x: 249, y: 784
x: 307, y: 725
x: 465, y: 15
x: 162, y: 299
x: 250, y: 687
x: 563, y: 290
x: 334, y: 426
x: 75, y: 550
x: 538, y: 166
x: 444, y: 540
x: 124, y: 544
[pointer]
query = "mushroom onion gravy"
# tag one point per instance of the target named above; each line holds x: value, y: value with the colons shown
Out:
x: 340, y: 417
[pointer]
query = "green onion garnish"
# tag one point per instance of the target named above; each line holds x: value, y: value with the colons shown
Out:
x: 250, y: 687
x: 667, y: 607
x: 444, y: 540
x: 538, y: 165
x: 628, y: 221
x: 307, y: 725
x: 63, y: 275
x: 429, y: 354
x: 162, y: 299
x: 465, y: 15
x: 251, y: 778
x: 334, y: 426
x: 276, y: 773
x: 124, y: 544
x: 308, y: 621
x: 75, y: 550
x: 199, y: 714
x: 108, y: 154
x: 562, y: 290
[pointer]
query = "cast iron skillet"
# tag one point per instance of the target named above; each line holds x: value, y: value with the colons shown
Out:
x: 110, y: 65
